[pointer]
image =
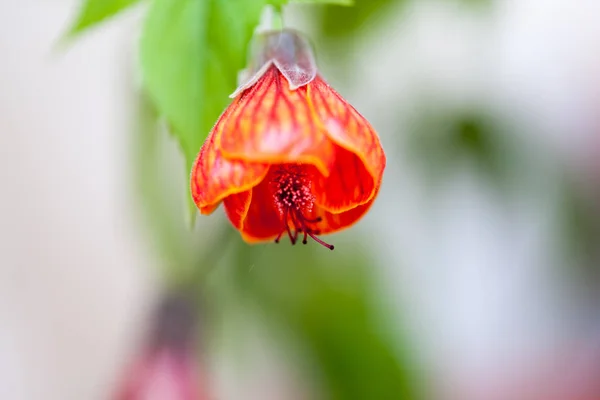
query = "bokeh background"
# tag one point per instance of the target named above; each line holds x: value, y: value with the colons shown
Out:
x: 474, y: 276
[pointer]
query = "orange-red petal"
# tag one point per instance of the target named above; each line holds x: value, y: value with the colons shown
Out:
x: 347, y: 128
x: 337, y: 222
x: 215, y: 177
x: 236, y: 207
x: 269, y: 123
x: 262, y: 221
x: 348, y: 185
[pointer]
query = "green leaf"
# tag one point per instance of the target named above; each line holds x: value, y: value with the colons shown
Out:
x: 191, y: 52
x: 343, y: 23
x: 335, y: 2
x: 279, y: 3
x: 94, y: 11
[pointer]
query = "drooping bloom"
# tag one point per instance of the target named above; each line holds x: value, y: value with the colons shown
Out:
x: 167, y: 367
x: 289, y: 156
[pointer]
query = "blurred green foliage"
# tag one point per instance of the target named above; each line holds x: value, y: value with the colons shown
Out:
x: 344, y: 23
x: 93, y: 12
x: 579, y: 223
x: 334, y: 2
x: 167, y: 230
x: 441, y: 142
x: 326, y: 301
x: 185, y: 259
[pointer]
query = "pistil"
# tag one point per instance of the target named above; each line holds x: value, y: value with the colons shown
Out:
x: 294, y: 200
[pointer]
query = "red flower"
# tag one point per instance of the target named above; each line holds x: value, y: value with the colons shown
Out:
x: 289, y: 155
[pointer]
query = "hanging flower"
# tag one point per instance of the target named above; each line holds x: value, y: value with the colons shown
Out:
x: 167, y: 367
x: 289, y: 156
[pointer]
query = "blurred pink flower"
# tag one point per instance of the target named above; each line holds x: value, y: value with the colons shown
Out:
x: 163, y: 374
x: 167, y: 368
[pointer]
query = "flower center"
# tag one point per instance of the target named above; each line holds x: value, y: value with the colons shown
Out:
x: 294, y: 200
